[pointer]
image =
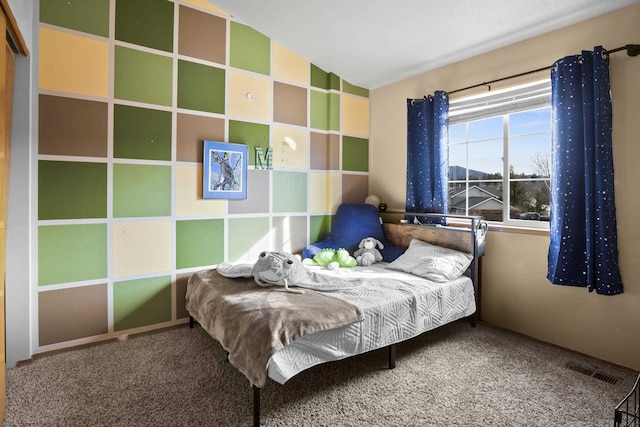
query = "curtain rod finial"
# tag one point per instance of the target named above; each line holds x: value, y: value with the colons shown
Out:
x: 633, y: 49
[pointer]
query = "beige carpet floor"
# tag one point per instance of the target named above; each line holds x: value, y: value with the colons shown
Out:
x: 453, y: 376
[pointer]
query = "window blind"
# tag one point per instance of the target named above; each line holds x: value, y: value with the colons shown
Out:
x: 491, y: 104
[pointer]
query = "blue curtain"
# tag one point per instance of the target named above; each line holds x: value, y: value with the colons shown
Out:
x: 583, y: 250
x: 427, y: 125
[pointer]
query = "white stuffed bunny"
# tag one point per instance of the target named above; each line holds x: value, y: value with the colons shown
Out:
x: 367, y: 253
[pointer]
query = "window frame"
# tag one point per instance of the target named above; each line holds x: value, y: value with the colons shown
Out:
x: 503, y: 103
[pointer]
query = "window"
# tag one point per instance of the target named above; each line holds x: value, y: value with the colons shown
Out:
x: 500, y: 156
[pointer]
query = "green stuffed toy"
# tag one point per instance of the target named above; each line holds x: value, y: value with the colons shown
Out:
x: 332, y: 259
x: 322, y: 258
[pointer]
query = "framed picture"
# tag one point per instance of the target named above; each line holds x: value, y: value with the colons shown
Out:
x: 224, y: 171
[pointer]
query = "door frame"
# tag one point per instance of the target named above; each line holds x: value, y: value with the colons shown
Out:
x: 15, y: 38
x: 14, y: 45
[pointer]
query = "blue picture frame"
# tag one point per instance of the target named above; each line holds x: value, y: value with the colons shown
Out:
x: 224, y: 173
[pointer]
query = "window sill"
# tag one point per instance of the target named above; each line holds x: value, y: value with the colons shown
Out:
x: 393, y: 216
x: 500, y: 228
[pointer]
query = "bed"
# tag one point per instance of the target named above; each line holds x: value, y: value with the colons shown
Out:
x: 378, y: 306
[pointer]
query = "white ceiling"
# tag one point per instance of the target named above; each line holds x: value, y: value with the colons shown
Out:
x: 371, y: 43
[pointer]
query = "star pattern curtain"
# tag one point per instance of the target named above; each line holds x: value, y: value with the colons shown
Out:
x: 427, y: 124
x: 583, y: 249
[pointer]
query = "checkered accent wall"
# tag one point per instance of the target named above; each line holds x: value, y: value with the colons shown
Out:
x: 129, y: 90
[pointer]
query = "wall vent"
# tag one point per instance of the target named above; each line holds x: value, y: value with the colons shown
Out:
x: 592, y: 373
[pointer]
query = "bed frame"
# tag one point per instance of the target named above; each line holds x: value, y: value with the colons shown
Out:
x: 462, y: 233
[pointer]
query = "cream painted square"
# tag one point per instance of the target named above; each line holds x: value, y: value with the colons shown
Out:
x: 318, y: 192
x: 142, y: 247
x: 324, y: 192
x: 335, y: 191
x: 69, y: 63
x: 290, y: 147
x: 355, y: 115
x: 249, y: 96
x: 189, y: 201
x: 289, y: 66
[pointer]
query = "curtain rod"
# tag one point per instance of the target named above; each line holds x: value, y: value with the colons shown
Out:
x: 632, y: 50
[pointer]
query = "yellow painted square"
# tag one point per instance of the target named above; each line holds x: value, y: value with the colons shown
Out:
x: 249, y: 96
x: 289, y: 66
x: 71, y: 63
x: 205, y: 5
x: 142, y: 247
x: 290, y: 147
x: 189, y: 201
x: 335, y: 192
x: 324, y: 192
x: 355, y: 115
x: 318, y: 192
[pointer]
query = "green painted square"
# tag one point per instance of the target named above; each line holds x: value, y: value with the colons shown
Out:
x: 249, y: 50
x: 146, y: 23
x: 199, y: 242
x: 71, y: 253
x: 201, y: 87
x: 325, y: 110
x: 319, y: 106
x: 141, y: 190
x: 88, y: 16
x: 141, y: 302
x: 318, y: 77
x: 355, y: 90
x: 141, y: 133
x: 252, y: 135
x: 355, y: 154
x: 334, y: 81
x: 319, y: 227
x: 244, y: 234
x: 143, y: 77
x: 182, y: 280
x: 289, y: 191
x: 323, y: 80
x: 334, y: 111
x: 69, y: 190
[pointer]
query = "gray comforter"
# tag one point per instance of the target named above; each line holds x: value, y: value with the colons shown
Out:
x: 252, y: 323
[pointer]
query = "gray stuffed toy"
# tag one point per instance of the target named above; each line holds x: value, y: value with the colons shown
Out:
x: 367, y: 253
x: 279, y: 268
x: 287, y: 270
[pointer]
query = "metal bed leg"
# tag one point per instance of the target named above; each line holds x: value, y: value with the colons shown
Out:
x: 392, y: 356
x: 190, y: 322
x: 256, y: 406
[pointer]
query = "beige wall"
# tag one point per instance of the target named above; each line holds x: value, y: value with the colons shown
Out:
x: 516, y: 294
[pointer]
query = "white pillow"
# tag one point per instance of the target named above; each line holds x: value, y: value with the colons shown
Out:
x: 432, y: 262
